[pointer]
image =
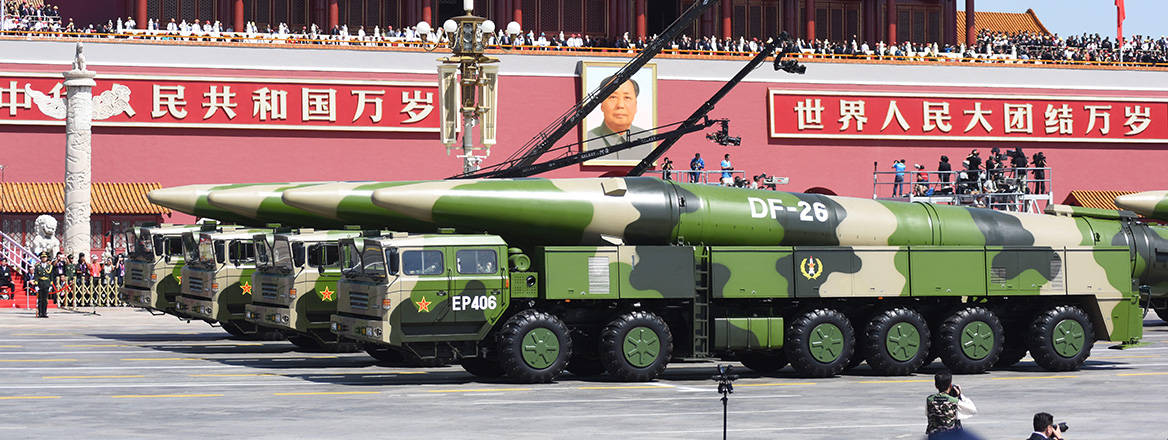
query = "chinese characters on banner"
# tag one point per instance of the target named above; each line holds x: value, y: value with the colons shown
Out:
x: 956, y: 117
x: 243, y: 103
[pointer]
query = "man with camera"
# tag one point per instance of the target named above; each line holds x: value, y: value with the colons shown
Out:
x: 1046, y: 429
x: 947, y: 407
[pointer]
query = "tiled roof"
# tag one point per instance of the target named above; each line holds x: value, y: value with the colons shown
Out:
x: 105, y: 198
x: 1001, y: 22
x: 1095, y: 199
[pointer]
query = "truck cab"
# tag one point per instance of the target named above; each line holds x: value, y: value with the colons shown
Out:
x: 153, y: 267
x: 296, y: 283
x: 434, y: 296
x: 217, y: 278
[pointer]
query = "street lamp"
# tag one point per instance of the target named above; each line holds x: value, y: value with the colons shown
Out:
x: 467, y: 82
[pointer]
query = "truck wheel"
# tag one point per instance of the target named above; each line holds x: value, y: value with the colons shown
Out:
x: 897, y: 342
x: 534, y: 347
x: 482, y: 367
x: 1061, y: 338
x: 764, y: 362
x: 821, y: 343
x: 970, y: 340
x: 636, y: 346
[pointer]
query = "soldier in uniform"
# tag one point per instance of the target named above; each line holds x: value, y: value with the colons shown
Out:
x: 43, y: 274
x: 6, y: 277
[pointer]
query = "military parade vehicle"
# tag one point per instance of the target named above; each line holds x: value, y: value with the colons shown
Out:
x: 217, y: 278
x: 153, y: 266
x: 296, y: 284
x: 1153, y: 205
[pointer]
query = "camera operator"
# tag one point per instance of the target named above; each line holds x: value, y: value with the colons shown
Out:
x: 947, y: 407
x: 1046, y: 429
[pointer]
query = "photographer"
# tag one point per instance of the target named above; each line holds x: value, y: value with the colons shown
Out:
x: 1046, y: 429
x: 947, y: 407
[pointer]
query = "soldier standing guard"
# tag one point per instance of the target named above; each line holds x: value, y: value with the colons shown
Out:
x: 43, y: 273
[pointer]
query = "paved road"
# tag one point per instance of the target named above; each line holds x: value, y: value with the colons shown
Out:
x: 126, y: 374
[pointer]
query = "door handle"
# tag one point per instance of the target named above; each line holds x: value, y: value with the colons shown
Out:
x: 441, y: 293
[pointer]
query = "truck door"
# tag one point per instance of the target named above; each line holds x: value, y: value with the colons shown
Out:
x: 425, y: 283
x: 476, y: 284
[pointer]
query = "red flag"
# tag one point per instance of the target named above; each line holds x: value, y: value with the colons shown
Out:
x: 1119, y: 21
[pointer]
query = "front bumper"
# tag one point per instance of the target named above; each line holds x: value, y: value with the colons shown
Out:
x: 365, y: 330
x: 204, y: 309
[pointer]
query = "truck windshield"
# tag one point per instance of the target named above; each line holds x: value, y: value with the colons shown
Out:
x: 350, y: 258
x: 191, y: 247
x: 206, y: 253
x: 138, y: 248
x: 262, y: 257
x: 282, y: 255
x: 373, y: 263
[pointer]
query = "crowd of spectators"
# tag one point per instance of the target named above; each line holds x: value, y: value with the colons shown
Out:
x: 1009, y: 173
x: 28, y: 19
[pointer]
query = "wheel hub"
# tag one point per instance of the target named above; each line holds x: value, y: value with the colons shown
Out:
x: 977, y: 340
x: 903, y: 341
x: 540, y: 348
x: 826, y: 342
x: 641, y: 347
x: 1068, y: 338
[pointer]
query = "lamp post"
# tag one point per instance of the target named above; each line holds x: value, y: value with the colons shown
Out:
x: 468, y: 82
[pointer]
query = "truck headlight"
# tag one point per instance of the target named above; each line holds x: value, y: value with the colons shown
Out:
x: 284, y: 319
x: 333, y: 326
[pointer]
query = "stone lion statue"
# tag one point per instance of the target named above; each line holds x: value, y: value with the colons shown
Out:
x: 45, y: 239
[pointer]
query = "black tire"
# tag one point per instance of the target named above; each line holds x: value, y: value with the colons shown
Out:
x: 482, y: 367
x: 802, y: 345
x: 234, y: 329
x: 541, y: 335
x: 978, y: 324
x: 912, y: 342
x: 764, y: 362
x: 1061, y: 338
x: 311, y: 344
x: 585, y: 366
x: 651, y: 339
x: 388, y: 356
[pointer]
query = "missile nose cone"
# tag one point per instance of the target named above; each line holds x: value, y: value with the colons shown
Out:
x: 1152, y: 204
x: 179, y: 198
x: 239, y: 202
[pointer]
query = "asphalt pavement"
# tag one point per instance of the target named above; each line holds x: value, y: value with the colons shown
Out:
x: 125, y: 374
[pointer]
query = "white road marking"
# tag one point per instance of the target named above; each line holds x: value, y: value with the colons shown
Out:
x: 778, y: 428
x: 614, y: 400
x: 692, y: 413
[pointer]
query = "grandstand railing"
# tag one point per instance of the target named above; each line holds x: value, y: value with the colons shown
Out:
x: 399, y: 43
x: 95, y: 294
x: 1009, y: 189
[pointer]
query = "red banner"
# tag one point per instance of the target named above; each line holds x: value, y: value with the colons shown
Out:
x: 237, y: 103
x: 966, y: 117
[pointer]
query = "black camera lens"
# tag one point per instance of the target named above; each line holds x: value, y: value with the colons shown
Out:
x: 1062, y: 426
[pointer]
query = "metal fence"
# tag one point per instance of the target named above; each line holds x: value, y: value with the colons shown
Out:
x: 89, y: 295
x: 1009, y: 189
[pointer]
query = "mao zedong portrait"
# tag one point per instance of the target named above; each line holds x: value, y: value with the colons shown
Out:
x: 619, y: 109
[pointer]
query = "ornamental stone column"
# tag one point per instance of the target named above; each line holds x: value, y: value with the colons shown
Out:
x: 79, y: 84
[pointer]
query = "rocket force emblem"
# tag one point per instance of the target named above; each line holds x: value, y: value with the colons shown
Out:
x: 423, y: 305
x: 811, y: 268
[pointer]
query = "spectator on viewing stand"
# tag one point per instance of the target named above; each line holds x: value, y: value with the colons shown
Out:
x: 82, y: 269
x: 696, y: 164
x: 727, y: 175
x: 943, y: 170
x: 667, y: 169
x: 1039, y: 162
x: 922, y: 181
x: 898, y: 180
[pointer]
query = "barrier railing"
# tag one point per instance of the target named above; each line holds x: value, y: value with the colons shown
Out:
x: 400, y: 43
x: 1011, y: 189
x: 80, y: 295
x: 14, y: 251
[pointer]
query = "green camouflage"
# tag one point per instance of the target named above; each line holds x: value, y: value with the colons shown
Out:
x: 151, y: 280
x: 217, y: 287
x: 1151, y: 204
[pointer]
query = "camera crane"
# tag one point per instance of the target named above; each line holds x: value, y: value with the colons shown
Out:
x: 517, y: 163
x: 519, y: 166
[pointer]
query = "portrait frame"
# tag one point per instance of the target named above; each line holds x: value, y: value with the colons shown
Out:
x: 591, y: 75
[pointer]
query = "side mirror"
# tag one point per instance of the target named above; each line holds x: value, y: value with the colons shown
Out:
x: 235, y: 262
x: 166, y: 259
x: 320, y: 269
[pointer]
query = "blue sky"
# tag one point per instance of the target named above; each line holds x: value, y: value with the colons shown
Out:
x: 1066, y: 17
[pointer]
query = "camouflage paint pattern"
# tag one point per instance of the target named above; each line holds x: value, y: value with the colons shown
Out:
x: 1151, y: 204
x: 452, y: 304
x: 218, y: 292
x: 151, y: 282
x: 264, y: 203
x: 289, y: 300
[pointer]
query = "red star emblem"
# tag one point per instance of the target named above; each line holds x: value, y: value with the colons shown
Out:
x: 179, y: 278
x: 326, y: 294
x: 246, y: 288
x: 423, y: 305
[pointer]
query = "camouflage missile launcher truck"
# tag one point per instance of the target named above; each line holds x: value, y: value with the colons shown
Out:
x: 153, y: 267
x: 668, y: 270
x: 296, y: 284
x: 217, y: 278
